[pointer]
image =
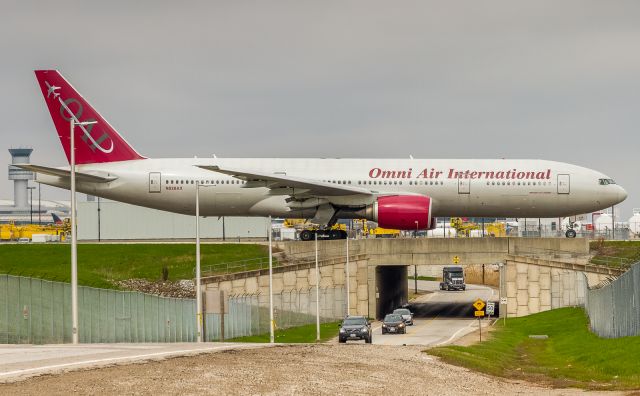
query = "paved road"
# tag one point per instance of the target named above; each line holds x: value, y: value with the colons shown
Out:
x: 440, y: 316
x: 22, y: 361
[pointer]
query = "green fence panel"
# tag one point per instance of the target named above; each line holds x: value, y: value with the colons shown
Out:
x: 38, y: 312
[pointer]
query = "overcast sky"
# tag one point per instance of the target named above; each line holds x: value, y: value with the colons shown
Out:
x: 555, y: 80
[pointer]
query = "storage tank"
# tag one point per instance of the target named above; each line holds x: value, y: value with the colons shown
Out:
x: 603, y: 222
x: 634, y: 222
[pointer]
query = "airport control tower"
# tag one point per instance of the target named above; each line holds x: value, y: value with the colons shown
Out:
x: 20, y: 177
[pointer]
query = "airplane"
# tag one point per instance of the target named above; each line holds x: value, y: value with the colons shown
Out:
x: 405, y: 194
x: 56, y: 219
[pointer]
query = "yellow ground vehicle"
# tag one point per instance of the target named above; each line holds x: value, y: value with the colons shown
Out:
x: 471, y: 229
x: 377, y: 232
x: 337, y: 231
x: 308, y: 230
x: 13, y: 232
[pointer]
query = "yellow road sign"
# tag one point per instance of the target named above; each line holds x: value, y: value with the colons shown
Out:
x: 479, y: 313
x: 478, y: 304
x: 456, y: 259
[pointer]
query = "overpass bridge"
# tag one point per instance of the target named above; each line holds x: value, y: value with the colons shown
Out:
x: 535, y: 273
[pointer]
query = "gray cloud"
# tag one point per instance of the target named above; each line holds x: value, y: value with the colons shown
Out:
x: 491, y: 79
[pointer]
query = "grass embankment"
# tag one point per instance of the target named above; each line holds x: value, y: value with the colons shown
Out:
x: 300, y: 334
x: 571, y: 356
x: 615, y: 253
x: 100, y: 263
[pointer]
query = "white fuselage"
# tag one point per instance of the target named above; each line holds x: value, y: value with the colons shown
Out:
x: 480, y: 188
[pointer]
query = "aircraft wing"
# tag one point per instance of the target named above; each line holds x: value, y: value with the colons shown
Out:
x: 80, y: 176
x: 281, y: 184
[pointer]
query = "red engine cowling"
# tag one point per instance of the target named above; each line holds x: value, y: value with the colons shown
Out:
x: 403, y: 212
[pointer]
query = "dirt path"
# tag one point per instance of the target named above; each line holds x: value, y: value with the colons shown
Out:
x: 300, y: 370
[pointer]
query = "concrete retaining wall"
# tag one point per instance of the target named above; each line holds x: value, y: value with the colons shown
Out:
x: 535, y: 285
x: 300, y: 277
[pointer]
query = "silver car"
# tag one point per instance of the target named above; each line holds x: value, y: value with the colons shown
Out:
x: 407, y: 316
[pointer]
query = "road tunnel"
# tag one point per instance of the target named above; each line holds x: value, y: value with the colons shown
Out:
x: 392, y: 289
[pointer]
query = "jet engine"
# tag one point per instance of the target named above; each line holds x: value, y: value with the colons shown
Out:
x: 401, y: 212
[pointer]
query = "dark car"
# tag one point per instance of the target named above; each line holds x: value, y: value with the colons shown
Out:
x: 393, y: 323
x: 407, y: 316
x: 355, y: 328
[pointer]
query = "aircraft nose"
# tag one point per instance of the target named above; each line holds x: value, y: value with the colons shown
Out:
x: 622, y: 194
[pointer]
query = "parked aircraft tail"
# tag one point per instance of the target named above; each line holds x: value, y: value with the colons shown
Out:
x: 56, y: 218
x: 94, y: 143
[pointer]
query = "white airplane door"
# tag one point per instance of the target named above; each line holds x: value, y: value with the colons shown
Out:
x: 154, y: 182
x: 464, y: 186
x: 564, y: 185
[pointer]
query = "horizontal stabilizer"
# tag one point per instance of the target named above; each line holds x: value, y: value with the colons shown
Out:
x: 97, y: 177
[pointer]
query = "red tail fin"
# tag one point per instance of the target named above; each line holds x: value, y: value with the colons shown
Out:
x: 95, y: 142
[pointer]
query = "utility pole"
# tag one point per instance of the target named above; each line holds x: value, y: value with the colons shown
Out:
x: 271, y: 323
x: 613, y: 222
x: 31, y: 204
x: 198, y: 291
x: 39, y: 210
x: 74, y: 237
x: 347, y: 279
x: 317, y: 292
x: 224, y: 236
x: 99, y: 219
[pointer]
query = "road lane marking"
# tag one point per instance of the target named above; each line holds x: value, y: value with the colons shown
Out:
x: 456, y: 333
x: 113, y: 359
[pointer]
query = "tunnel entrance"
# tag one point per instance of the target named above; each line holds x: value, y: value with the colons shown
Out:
x: 392, y: 289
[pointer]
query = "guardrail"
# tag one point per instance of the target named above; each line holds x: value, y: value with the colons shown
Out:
x: 238, y: 266
x: 611, y: 261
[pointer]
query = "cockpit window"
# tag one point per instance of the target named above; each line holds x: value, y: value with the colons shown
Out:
x: 604, y: 182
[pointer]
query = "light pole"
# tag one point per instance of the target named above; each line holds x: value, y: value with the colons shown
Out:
x: 39, y: 210
x: 74, y: 236
x: 416, y: 228
x: 347, y: 278
x: 271, y: 323
x: 99, y: 219
x: 31, y: 203
x: 198, y: 273
x: 317, y: 292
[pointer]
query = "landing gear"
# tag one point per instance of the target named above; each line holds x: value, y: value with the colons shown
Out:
x: 571, y: 233
x: 309, y: 235
x: 306, y: 235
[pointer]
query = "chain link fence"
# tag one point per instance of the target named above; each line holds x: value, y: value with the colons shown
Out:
x: 248, y: 314
x: 614, y: 307
x: 36, y: 311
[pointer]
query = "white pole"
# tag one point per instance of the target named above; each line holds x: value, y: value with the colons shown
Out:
x: 74, y: 241
x: 271, y: 323
x: 317, y: 292
x: 198, y: 291
x: 347, y: 279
